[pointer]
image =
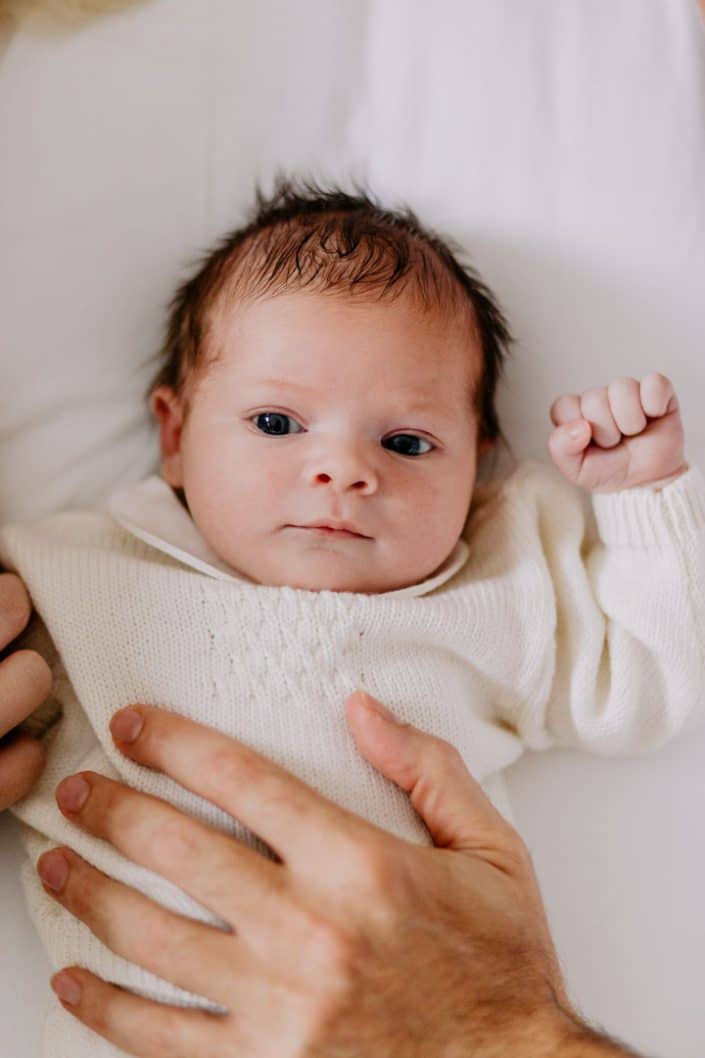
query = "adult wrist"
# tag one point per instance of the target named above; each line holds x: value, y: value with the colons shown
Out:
x: 562, y: 1033
x: 552, y: 1032
x: 577, y: 1039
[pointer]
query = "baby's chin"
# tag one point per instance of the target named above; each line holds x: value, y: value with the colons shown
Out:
x: 362, y: 585
x: 326, y: 571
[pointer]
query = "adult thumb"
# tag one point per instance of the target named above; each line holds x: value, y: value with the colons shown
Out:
x: 449, y: 800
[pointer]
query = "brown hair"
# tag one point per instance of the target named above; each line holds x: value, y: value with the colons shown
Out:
x: 327, y: 240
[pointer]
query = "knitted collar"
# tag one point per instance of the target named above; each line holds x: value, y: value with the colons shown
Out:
x: 152, y: 512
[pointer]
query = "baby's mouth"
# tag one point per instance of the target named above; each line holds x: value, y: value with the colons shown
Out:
x: 327, y: 530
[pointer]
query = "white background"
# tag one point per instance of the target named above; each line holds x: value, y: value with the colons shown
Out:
x: 562, y: 142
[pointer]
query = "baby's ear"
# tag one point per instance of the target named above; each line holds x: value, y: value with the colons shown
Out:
x: 486, y: 445
x: 167, y: 408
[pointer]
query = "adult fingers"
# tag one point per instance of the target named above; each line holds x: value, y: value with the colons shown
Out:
x: 22, y: 760
x: 140, y: 1026
x: 200, y: 860
x: 25, y: 681
x: 451, y: 803
x: 15, y: 608
x: 193, y: 955
x: 295, y: 821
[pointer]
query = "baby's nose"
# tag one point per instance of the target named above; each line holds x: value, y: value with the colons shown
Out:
x: 345, y: 469
x: 361, y: 484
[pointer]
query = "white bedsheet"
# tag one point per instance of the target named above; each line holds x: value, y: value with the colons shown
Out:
x: 563, y: 143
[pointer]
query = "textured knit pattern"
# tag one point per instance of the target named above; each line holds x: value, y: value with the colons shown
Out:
x: 556, y: 629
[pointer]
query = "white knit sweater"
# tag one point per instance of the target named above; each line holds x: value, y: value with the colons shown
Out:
x: 536, y: 631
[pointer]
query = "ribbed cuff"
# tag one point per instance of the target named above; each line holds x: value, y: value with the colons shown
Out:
x: 644, y: 517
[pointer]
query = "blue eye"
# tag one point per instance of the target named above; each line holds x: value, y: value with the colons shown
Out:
x: 275, y: 425
x: 406, y: 438
x: 276, y: 421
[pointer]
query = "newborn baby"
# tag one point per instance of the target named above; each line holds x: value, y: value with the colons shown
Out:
x: 326, y: 389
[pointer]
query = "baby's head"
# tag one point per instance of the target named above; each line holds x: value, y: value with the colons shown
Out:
x: 331, y: 362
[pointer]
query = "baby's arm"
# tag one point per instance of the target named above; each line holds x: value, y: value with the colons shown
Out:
x: 629, y: 668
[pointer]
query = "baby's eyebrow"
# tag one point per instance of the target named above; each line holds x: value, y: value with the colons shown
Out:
x: 281, y: 383
x: 439, y: 409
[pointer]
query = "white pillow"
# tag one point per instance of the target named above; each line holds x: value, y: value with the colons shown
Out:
x: 136, y: 142
x: 561, y: 143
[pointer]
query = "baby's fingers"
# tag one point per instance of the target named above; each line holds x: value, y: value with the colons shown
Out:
x: 567, y: 445
x: 572, y: 435
x: 565, y: 409
x: 657, y: 395
x: 624, y: 398
x: 594, y: 407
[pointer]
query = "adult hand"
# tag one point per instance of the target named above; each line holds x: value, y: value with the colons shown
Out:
x: 25, y: 681
x: 354, y: 943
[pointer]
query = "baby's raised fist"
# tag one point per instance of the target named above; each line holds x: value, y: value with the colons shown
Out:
x: 619, y: 436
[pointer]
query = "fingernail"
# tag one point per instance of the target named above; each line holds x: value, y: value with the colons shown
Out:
x: 576, y: 431
x: 376, y: 707
x: 67, y: 988
x: 53, y: 869
x: 126, y: 725
x: 72, y: 793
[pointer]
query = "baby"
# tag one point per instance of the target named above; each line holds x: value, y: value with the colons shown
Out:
x: 326, y: 390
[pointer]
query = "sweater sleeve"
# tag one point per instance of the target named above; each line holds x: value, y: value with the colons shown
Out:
x: 629, y: 599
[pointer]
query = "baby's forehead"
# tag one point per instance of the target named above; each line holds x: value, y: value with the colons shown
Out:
x: 296, y: 325
x: 315, y: 310
x: 378, y: 353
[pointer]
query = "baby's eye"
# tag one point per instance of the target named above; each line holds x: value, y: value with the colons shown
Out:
x: 275, y: 423
x: 404, y: 448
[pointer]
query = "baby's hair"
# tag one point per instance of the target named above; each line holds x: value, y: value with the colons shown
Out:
x: 326, y: 240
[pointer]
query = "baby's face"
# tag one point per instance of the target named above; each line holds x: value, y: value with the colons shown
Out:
x: 319, y: 410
